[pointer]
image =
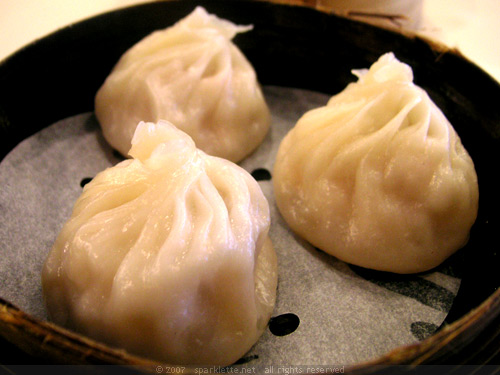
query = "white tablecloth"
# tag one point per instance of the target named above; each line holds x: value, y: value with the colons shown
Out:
x: 472, y: 26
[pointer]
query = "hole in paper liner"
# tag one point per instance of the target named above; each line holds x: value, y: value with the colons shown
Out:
x: 117, y: 155
x: 247, y: 359
x: 85, y: 181
x: 261, y: 174
x: 284, y: 324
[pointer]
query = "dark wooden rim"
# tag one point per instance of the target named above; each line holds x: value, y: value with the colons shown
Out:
x: 44, y: 339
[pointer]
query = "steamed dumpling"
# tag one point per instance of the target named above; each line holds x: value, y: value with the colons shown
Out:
x: 166, y: 255
x: 378, y: 177
x: 193, y: 76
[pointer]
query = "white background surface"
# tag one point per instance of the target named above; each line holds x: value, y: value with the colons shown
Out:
x: 472, y: 26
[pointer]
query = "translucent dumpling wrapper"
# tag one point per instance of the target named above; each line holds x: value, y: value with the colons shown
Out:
x: 166, y: 255
x: 378, y: 177
x: 192, y: 75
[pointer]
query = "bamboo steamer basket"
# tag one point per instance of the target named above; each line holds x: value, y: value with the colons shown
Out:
x: 297, y: 44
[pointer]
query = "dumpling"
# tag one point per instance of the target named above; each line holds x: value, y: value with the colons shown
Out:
x: 166, y: 255
x: 378, y: 177
x: 192, y: 75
